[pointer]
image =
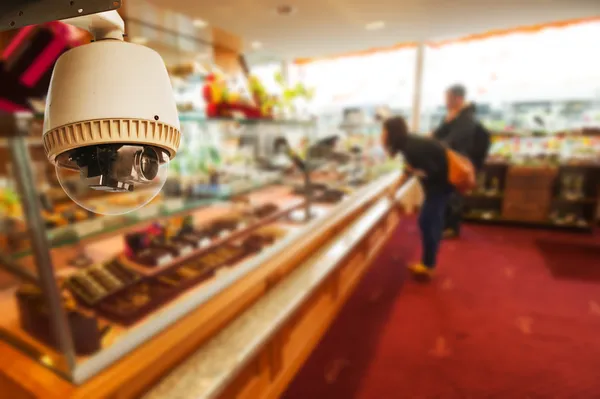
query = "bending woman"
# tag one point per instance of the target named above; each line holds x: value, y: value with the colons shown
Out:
x: 426, y: 159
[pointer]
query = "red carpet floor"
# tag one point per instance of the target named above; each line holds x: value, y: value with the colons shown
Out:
x: 513, y: 313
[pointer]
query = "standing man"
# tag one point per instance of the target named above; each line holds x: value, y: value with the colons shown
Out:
x: 457, y: 132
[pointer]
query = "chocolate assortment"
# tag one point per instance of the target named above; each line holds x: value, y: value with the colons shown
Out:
x: 265, y: 210
x: 136, y: 301
x: 96, y: 282
x: 142, y: 298
x: 256, y: 242
x: 153, y: 257
x: 330, y: 196
x: 225, y: 224
x: 61, y: 216
x: 35, y: 319
x: 152, y: 247
x: 173, y: 247
x: 115, y: 291
x: 159, y: 246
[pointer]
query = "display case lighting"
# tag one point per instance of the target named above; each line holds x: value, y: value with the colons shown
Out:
x: 200, y: 23
x: 375, y: 25
x: 139, y: 40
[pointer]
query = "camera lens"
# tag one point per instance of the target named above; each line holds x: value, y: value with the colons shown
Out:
x: 113, y: 179
x: 148, y: 163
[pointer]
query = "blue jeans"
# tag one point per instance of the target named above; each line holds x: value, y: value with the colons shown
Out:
x: 431, y: 223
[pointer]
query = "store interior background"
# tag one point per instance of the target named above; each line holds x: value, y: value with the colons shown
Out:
x: 532, y: 68
x: 360, y: 58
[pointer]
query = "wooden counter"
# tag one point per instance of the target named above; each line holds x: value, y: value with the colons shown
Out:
x: 251, y: 338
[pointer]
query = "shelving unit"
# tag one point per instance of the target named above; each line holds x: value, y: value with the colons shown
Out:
x: 540, y: 179
x: 577, y: 214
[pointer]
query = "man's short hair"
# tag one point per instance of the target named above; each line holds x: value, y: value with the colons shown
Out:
x: 458, y: 90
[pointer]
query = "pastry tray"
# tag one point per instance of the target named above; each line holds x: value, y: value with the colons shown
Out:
x: 158, y: 291
x: 240, y: 232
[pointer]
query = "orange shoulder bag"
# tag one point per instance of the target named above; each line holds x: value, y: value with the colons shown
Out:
x: 461, y: 173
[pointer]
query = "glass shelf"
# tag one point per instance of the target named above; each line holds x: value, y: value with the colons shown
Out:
x: 169, y: 207
x: 190, y: 116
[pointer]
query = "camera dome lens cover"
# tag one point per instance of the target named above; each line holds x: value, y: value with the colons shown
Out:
x: 113, y: 179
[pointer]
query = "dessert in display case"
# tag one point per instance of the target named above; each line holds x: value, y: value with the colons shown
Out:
x: 548, y: 180
x: 234, y: 199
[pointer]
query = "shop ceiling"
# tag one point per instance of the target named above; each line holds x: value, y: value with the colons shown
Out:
x: 327, y: 27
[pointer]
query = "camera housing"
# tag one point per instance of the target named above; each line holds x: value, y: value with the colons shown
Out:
x: 111, y: 118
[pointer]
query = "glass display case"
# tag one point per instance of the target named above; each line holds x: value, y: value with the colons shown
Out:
x: 81, y: 290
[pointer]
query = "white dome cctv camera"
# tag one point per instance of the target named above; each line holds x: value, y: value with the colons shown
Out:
x: 111, y: 124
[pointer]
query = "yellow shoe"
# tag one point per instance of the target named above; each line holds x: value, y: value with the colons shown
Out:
x: 420, y: 271
x: 449, y: 234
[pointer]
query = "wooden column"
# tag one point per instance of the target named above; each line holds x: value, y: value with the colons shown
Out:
x: 418, y: 86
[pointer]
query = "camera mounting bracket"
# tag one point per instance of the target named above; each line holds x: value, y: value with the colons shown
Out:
x: 18, y: 13
x: 104, y: 25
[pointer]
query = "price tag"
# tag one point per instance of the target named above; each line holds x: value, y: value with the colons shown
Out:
x: 204, y: 243
x: 148, y: 212
x: 224, y: 233
x: 186, y: 251
x: 164, y: 260
x: 174, y: 204
x: 88, y: 227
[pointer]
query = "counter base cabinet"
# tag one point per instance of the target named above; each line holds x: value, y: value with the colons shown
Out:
x: 274, y: 367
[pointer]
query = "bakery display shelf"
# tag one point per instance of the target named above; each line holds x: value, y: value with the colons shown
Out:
x: 543, y: 194
x: 527, y: 223
x: 578, y: 201
x: 497, y: 196
x: 137, y: 353
x: 174, y: 280
x: 115, y: 325
x: 201, y: 118
x: 272, y: 197
x: 586, y: 132
x: 225, y: 191
x: 225, y: 237
x: 165, y: 286
x: 105, y: 225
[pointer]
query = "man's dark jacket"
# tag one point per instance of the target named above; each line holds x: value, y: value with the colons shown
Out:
x: 459, y: 133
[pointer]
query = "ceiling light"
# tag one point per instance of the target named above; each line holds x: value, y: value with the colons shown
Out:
x: 256, y: 45
x: 285, y: 9
x: 375, y: 25
x: 200, y: 23
x: 139, y: 40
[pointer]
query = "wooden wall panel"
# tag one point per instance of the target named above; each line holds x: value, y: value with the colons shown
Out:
x: 227, y: 49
